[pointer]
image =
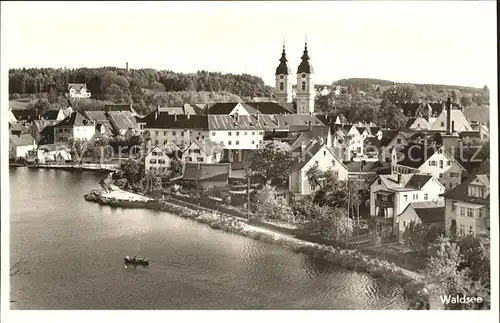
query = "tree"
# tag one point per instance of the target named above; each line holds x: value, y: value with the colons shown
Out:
x: 78, y: 149
x: 53, y: 97
x: 400, y: 94
x: 131, y: 171
x: 476, y: 257
x: 466, y: 101
x: 454, y: 96
x: 443, y: 271
x: 415, y: 234
x: 272, y: 206
x: 272, y: 162
x: 175, y: 168
x: 41, y: 106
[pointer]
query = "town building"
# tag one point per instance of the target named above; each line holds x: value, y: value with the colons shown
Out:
x: 468, y: 207
x: 431, y: 160
x: 391, y: 139
x: 205, y: 176
x: 417, y: 124
x: 451, y: 118
x: 315, y: 153
x: 78, y: 91
x: 75, y: 126
x: 391, y: 194
x: 158, y: 158
x: 20, y: 144
x: 202, y: 151
x: 430, y: 214
x: 50, y: 153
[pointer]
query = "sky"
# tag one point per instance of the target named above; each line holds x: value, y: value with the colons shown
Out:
x: 420, y: 42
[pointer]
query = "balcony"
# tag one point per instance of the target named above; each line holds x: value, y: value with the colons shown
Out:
x: 384, y: 203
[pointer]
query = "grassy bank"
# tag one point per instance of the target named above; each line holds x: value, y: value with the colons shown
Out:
x: 349, y: 259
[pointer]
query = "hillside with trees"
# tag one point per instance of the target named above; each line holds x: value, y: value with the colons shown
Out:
x: 142, y: 87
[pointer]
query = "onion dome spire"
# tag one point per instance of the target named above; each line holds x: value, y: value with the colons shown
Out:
x: 305, y: 66
x: 283, y: 67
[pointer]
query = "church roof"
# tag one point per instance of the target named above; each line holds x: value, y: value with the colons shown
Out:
x: 283, y: 68
x: 305, y: 66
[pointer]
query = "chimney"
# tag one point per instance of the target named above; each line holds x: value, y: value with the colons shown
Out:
x: 453, y: 127
x: 448, y: 116
x: 126, y: 66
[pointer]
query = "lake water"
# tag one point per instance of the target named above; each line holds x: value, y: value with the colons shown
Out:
x: 71, y: 254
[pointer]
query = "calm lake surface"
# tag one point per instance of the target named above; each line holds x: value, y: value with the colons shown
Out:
x: 72, y: 258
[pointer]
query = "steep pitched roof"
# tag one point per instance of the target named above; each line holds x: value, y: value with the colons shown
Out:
x: 312, y: 149
x: 98, y: 116
x: 415, y: 155
x: 417, y: 122
x: 429, y: 212
x: 201, y: 172
x: 436, y: 107
x: 24, y: 114
x: 219, y: 108
x: 461, y: 193
x: 409, y: 182
x: 207, y: 146
x: 387, y: 136
x: 477, y: 114
x: 271, y: 107
x: 119, y: 107
x: 23, y: 139
x: 75, y: 120
x: 372, y: 141
x: 122, y: 120
x: 77, y: 86
x: 170, y: 121
x: 51, y: 114
x: 410, y: 108
x: 16, y: 128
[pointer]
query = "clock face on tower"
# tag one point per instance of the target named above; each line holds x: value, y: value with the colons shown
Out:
x: 304, y: 76
x: 281, y: 76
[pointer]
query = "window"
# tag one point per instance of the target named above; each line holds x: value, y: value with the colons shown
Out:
x: 461, y: 229
x: 182, y: 133
x: 196, y: 151
x: 442, y: 124
x: 404, y: 224
x: 324, y: 153
x: 253, y: 133
x: 153, y: 153
x: 405, y: 197
x: 237, y: 142
x: 245, y: 133
x: 462, y: 210
x: 453, y: 207
x: 222, y: 142
x: 379, y: 181
x: 213, y: 133
x: 237, y: 133
x: 316, y: 163
x: 161, y: 161
x: 440, y: 175
x: 156, y: 133
x: 229, y: 142
x: 449, y: 163
x: 313, y: 187
x: 200, y: 159
x: 470, y: 212
x: 398, y: 140
x: 426, y: 197
x: 260, y: 141
x: 303, y: 86
x: 415, y: 197
x: 164, y: 133
x: 253, y: 142
x: 261, y: 132
x: 174, y: 133
x: 441, y: 164
x: 229, y: 133
x: 152, y: 161
x: 453, y: 174
x: 156, y: 142
x: 282, y: 86
x: 480, y: 212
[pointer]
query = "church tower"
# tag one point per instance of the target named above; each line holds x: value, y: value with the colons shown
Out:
x: 283, y: 75
x: 305, y: 85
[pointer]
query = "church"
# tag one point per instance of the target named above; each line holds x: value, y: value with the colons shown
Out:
x: 305, y: 92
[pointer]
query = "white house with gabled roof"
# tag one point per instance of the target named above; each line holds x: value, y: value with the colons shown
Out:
x: 428, y: 159
x: 315, y: 153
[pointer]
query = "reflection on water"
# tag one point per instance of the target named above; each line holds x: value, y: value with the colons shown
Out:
x: 73, y: 251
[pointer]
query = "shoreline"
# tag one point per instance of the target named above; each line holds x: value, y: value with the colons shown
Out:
x: 411, y: 282
x: 79, y: 167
